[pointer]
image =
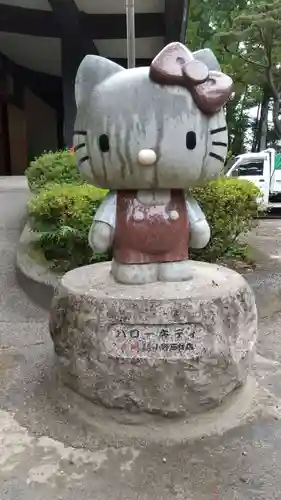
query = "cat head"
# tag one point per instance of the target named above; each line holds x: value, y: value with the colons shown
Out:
x: 157, y: 127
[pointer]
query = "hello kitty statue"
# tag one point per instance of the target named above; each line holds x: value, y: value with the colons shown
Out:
x: 182, y: 339
x: 149, y: 135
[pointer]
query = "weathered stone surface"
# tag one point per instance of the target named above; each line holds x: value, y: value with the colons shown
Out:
x: 165, y: 348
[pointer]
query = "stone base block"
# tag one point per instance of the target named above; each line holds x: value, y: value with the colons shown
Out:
x: 167, y: 348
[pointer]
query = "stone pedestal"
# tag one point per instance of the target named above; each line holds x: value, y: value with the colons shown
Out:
x: 167, y: 348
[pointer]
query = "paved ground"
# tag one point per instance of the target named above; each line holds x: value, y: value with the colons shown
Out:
x: 51, y: 446
x: 266, y: 281
x: 266, y: 240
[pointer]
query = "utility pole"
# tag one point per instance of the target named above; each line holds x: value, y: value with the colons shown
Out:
x: 131, y: 37
x: 184, y: 28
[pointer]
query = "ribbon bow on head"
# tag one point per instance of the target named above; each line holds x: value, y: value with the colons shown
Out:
x: 176, y: 65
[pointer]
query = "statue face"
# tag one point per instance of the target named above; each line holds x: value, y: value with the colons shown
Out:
x: 134, y: 133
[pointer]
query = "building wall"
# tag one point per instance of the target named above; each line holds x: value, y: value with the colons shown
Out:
x: 2, y: 141
x: 41, y: 125
x: 26, y: 131
x: 17, y: 140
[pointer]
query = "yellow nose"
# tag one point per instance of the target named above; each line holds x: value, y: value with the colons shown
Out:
x: 147, y: 157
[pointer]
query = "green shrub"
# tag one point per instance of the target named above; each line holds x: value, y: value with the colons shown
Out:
x: 63, y: 214
x: 59, y: 167
x: 231, y: 207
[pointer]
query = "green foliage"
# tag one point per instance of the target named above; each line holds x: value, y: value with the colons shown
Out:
x: 207, y: 19
x: 254, y: 39
x: 63, y: 214
x: 58, y: 167
x: 246, y: 37
x: 230, y: 207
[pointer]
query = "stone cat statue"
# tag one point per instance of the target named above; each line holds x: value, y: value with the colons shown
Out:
x: 149, y: 135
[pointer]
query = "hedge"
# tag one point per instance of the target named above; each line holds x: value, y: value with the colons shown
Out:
x: 63, y: 215
x: 231, y: 208
x: 53, y: 167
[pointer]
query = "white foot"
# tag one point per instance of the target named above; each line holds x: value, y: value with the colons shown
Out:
x: 175, y: 271
x: 134, y: 274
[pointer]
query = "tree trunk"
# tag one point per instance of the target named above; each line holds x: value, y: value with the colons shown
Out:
x: 263, y: 125
x: 275, y: 112
x: 239, y: 125
x: 256, y: 131
x: 276, y: 103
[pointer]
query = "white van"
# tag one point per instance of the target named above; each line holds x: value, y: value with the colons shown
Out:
x: 264, y: 170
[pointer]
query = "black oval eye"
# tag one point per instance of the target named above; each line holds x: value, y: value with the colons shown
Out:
x: 191, y: 140
x: 104, y: 143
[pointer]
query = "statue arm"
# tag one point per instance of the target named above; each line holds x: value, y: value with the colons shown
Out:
x: 102, y: 230
x: 199, y: 228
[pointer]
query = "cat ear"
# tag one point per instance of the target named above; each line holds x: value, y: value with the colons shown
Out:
x: 208, y: 58
x: 92, y: 71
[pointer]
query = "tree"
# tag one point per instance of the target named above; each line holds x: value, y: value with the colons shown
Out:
x: 206, y: 19
x: 255, y: 39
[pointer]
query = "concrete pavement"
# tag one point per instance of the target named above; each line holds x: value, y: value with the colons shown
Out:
x: 54, y: 445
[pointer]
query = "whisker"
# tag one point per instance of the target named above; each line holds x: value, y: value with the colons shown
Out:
x: 217, y: 157
x: 79, y: 132
x: 217, y: 130
x: 218, y: 143
x: 80, y: 146
x: 84, y: 158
